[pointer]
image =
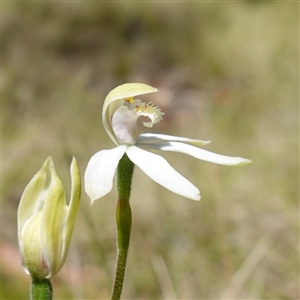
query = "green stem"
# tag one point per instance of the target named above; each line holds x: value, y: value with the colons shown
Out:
x: 123, y: 216
x: 41, y: 289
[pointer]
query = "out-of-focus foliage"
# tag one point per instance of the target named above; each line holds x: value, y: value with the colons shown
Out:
x: 226, y: 72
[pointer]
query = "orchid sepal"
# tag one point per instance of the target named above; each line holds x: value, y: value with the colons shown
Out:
x: 154, y: 138
x: 198, y: 153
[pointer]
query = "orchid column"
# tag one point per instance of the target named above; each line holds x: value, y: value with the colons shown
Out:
x: 120, y: 114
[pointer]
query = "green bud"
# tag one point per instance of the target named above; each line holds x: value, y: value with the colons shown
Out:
x: 46, y: 222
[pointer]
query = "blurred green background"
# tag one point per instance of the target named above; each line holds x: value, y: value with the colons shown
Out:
x: 228, y: 72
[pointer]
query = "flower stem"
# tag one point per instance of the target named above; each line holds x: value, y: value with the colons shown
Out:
x: 123, y: 216
x: 41, y: 289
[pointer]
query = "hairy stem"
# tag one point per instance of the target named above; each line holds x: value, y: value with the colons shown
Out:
x: 41, y: 289
x: 123, y: 217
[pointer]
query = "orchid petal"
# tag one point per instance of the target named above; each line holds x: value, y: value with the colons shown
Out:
x: 158, y: 169
x: 121, y: 93
x: 100, y: 172
x: 199, y: 153
x: 150, y: 138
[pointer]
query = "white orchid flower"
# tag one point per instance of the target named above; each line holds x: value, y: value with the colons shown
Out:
x: 120, y: 114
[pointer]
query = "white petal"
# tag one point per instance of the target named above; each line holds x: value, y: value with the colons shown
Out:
x: 158, y: 169
x: 100, y: 171
x: 146, y: 138
x: 200, y: 153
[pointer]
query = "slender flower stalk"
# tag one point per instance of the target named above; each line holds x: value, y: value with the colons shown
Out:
x: 45, y: 225
x: 120, y: 114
